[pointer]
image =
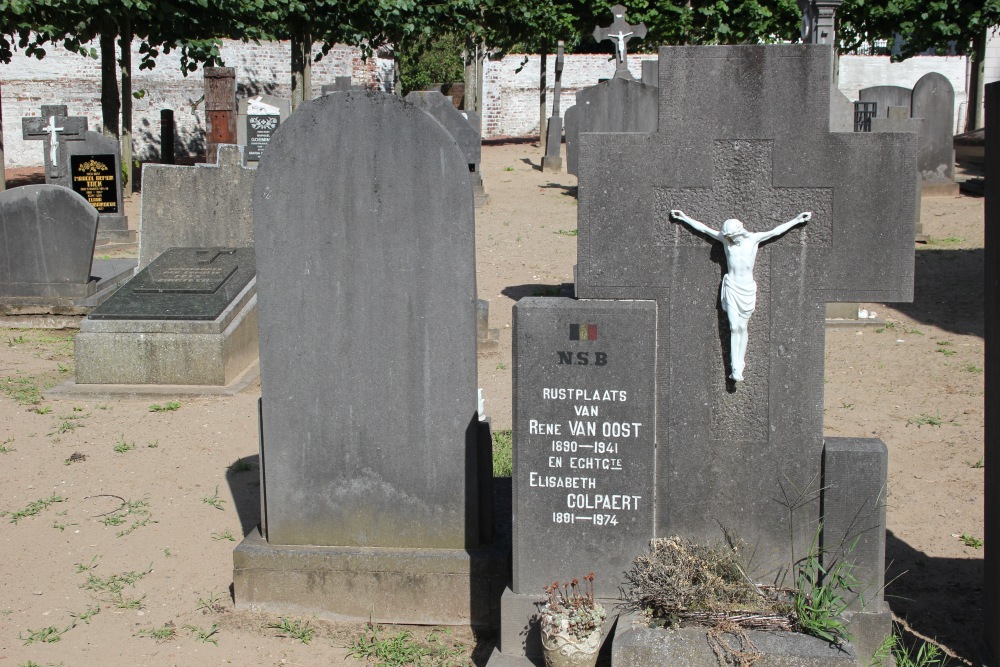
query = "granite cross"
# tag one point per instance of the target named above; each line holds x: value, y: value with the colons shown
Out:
x: 744, y: 456
x: 52, y: 125
x: 620, y: 32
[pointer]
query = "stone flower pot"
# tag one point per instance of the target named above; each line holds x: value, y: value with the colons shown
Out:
x: 562, y: 649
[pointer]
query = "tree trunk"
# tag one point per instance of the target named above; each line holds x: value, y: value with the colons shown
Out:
x: 110, y: 103
x: 125, y: 44
x: 977, y: 80
x: 542, y: 117
x: 301, y: 67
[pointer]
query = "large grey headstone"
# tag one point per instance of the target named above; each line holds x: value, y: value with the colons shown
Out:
x: 746, y: 456
x: 217, y: 205
x: 54, y: 127
x: 934, y: 101
x: 618, y: 105
x: 584, y: 421
x: 885, y: 97
x: 95, y: 172
x: 991, y: 435
x: 365, y: 240
x: 47, y: 237
x: 898, y: 120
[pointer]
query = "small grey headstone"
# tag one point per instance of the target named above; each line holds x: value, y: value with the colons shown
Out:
x: 618, y: 105
x: 934, y: 101
x: 54, y: 127
x: 217, y: 208
x: 584, y: 419
x: 47, y: 237
x: 885, y: 97
x: 255, y: 130
x: 341, y: 84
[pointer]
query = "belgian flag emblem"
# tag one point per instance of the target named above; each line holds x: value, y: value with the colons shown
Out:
x: 583, y: 332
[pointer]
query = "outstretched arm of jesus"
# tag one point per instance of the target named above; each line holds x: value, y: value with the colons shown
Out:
x: 784, y: 227
x: 694, y: 224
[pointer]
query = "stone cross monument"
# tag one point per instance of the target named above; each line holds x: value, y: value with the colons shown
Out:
x: 54, y: 127
x: 552, y: 160
x: 620, y: 32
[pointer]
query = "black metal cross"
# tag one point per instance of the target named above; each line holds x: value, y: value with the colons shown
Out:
x: 620, y: 32
x: 54, y: 124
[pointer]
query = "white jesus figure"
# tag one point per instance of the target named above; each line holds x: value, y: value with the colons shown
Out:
x: 739, y: 290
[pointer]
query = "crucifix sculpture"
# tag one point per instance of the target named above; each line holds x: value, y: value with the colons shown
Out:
x: 620, y: 32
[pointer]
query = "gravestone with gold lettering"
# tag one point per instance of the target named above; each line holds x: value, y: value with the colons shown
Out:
x: 95, y: 173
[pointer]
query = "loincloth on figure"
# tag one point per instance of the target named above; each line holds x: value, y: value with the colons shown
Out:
x: 744, y: 297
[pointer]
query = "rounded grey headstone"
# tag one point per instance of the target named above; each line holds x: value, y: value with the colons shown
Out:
x: 47, y: 236
x: 365, y: 242
x: 934, y: 101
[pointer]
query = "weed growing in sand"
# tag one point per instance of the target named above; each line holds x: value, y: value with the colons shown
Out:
x: 81, y: 568
x: 508, y: 168
x: 153, y: 445
x: 944, y: 348
x: 925, y: 420
x: 242, y: 465
x: 137, y: 509
x: 501, y: 366
x: 122, y: 446
x: 970, y: 541
x: 402, y: 649
x: 63, y: 369
x: 166, y: 633
x: 166, y: 407
x: 42, y: 411
x: 114, y: 587
x: 224, y: 535
x: 49, y: 635
x: 977, y: 464
x: 11, y: 342
x: 567, y: 232
x: 294, y: 630
x: 923, y: 654
x: 129, y: 603
x: 203, y: 635
x: 214, y: 500
x: 972, y: 368
x: 35, y: 507
x: 210, y: 603
x: 85, y: 616
x: 23, y: 389
x: 5, y: 446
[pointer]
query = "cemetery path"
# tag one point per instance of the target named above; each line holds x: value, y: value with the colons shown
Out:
x: 130, y: 511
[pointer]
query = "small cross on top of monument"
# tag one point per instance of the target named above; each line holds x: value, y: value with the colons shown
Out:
x: 53, y: 127
x: 620, y: 32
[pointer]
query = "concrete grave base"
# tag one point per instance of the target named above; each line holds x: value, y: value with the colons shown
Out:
x: 175, y: 352
x: 67, y: 299
x: 107, y: 392
x: 113, y: 228
x: 949, y: 189
x: 384, y: 585
x: 690, y: 647
x: 846, y: 315
x: 551, y: 164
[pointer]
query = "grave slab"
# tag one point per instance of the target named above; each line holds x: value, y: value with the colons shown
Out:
x: 217, y: 207
x: 934, y: 101
x: 365, y: 245
x: 189, y: 318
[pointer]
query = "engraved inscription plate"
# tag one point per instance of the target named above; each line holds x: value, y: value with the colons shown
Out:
x: 94, y: 178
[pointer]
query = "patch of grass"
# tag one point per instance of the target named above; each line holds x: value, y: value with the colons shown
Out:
x: 971, y: 541
x: 67, y: 426
x: 204, y: 635
x: 35, y: 507
x: 224, y: 535
x: 567, y: 232
x: 213, y: 602
x: 214, y: 500
x: 925, y: 419
x: 972, y: 368
x: 153, y: 445
x: 401, y: 649
x: 17, y: 340
x: 502, y: 453
x: 81, y: 568
x: 114, y: 587
x: 123, y: 602
x: 63, y: 526
x: 294, y: 630
x: 508, y: 168
x: 85, y: 616
x: 242, y: 465
x: 818, y: 599
x: 23, y: 389
x: 42, y: 411
x: 166, y: 407
x: 49, y: 635
x: 122, y: 446
x: 137, y: 509
x: 166, y: 633
x: 948, y: 240
x: 63, y: 369
x: 978, y: 464
x: 5, y: 446
x: 501, y: 366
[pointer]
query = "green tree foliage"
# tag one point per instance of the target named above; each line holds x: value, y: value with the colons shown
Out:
x: 429, y: 60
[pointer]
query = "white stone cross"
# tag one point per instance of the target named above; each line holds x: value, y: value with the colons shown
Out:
x: 53, y: 133
x: 54, y: 127
x: 624, y: 33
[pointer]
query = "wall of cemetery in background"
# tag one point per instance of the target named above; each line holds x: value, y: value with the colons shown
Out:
x: 510, y: 96
x: 67, y: 78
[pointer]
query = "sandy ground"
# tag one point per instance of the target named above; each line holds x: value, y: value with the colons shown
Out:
x: 146, y: 507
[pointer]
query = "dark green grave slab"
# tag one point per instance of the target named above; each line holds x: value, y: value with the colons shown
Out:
x: 182, y: 284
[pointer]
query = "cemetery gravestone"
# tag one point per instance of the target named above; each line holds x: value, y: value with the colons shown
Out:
x: 96, y: 174
x: 463, y: 127
x: 552, y: 160
x: 898, y: 120
x: 746, y: 457
x: 54, y: 128
x: 368, y: 373
x: 47, y: 237
x: 217, y: 207
x: 885, y: 97
x: 220, y: 109
x: 991, y: 436
x: 934, y: 101
x: 618, y: 105
x: 341, y: 84
x: 257, y: 120
x: 619, y: 33
x: 188, y: 318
